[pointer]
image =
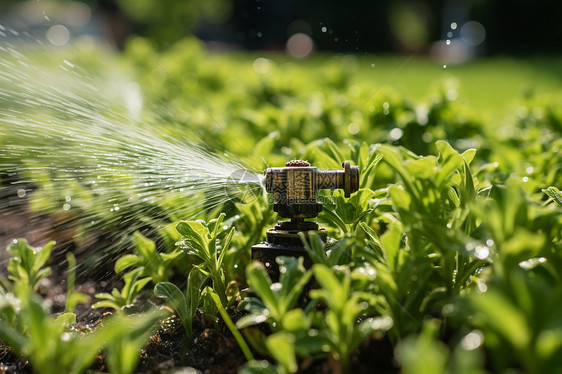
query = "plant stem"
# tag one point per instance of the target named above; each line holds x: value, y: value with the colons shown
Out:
x: 226, y: 318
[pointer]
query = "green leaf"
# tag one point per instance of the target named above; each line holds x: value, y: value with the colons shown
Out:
x: 250, y: 320
x: 390, y: 241
x: 145, y: 247
x: 42, y: 255
x: 451, y: 160
x: 374, y: 324
x: 16, y: 340
x: 194, y: 231
x: 468, y: 155
x: 281, y: 347
x: 295, y: 320
x: 172, y: 294
x: 260, y: 282
x: 423, y: 354
x: 510, y: 323
x: 266, y: 144
x: 126, y: 262
x: 374, y: 242
x: 226, y: 318
x: 125, y: 336
x: 554, y: 194
x: 330, y: 283
x: 522, y: 246
x: 259, y: 367
x: 66, y: 319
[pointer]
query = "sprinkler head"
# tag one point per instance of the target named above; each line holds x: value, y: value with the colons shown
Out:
x: 294, y: 187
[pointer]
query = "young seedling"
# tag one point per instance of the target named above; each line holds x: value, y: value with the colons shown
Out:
x: 73, y: 298
x: 125, y: 336
x: 341, y: 331
x: 276, y: 300
x: 27, y: 263
x: 48, y: 343
x: 155, y: 265
x: 184, y: 304
x: 118, y: 299
x: 209, y: 243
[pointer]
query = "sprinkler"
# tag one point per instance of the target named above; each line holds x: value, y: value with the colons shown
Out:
x: 294, y: 189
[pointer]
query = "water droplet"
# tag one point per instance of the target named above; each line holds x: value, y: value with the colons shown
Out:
x: 373, y: 65
x: 259, y: 34
x: 21, y: 192
x: 66, y: 206
x: 300, y: 45
x: 261, y: 65
x: 472, y: 340
x: 482, y: 286
x: 396, y: 133
x: 353, y: 128
x: 58, y: 35
x: 324, y: 29
x: 444, y: 66
x: 489, y: 242
x: 525, y: 179
x: 67, y: 199
x: 453, y: 26
x: 448, y: 41
x: 482, y: 252
x: 449, y: 34
x: 427, y: 137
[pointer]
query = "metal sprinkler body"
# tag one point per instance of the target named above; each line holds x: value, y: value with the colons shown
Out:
x: 294, y: 189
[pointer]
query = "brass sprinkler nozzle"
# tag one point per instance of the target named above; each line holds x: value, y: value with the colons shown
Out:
x: 294, y: 187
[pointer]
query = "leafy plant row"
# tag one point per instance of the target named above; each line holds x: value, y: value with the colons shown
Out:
x: 455, y: 272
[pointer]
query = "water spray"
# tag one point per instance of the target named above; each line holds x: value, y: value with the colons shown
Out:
x: 294, y: 189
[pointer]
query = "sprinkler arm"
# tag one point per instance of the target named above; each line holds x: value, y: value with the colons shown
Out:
x: 294, y: 187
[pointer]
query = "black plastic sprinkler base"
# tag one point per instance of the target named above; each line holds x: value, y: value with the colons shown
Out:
x: 284, y: 240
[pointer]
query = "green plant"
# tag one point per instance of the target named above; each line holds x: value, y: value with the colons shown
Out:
x: 155, y: 265
x: 209, y: 242
x: 49, y: 343
x: 425, y: 353
x: 226, y: 318
x: 72, y: 297
x: 318, y: 253
x: 27, y: 263
x: 341, y: 331
x: 133, y: 284
x: 276, y: 300
x: 282, y: 349
x: 554, y: 194
x: 184, y: 304
x: 125, y: 336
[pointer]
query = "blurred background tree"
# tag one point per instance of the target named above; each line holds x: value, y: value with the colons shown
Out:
x: 359, y: 26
